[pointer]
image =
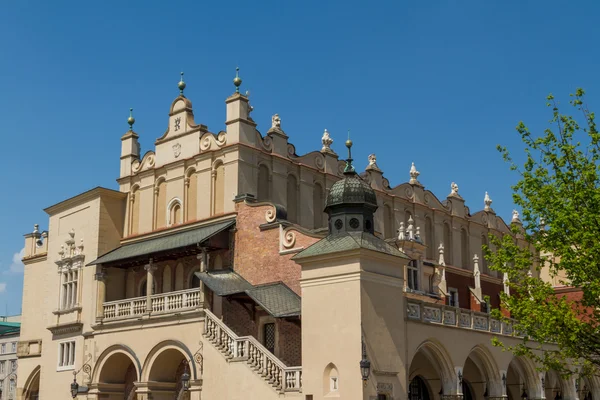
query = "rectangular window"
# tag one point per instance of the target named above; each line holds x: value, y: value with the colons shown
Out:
x: 3, y: 348
x: 11, y: 387
x: 453, y: 297
x: 13, y: 365
x: 412, y: 279
x: 269, y: 337
x: 66, y: 355
x: 13, y: 347
x: 484, y: 307
x: 2, y: 367
x: 69, y: 289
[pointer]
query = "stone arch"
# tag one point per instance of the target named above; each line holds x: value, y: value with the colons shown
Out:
x: 113, y: 361
x: 331, y: 381
x: 292, y: 197
x: 174, y: 211
x: 521, y: 374
x: 167, y: 355
x: 388, y: 221
x: 179, y: 282
x: 166, y: 280
x: 160, y: 202
x: 481, y: 371
x: 263, y: 185
x: 436, y: 357
x: 191, y: 194
x: 318, y: 204
x: 218, y: 186
x: 134, y: 202
x: 429, y: 240
x: 31, y: 388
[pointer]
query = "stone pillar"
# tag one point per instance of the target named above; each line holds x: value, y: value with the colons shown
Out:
x: 203, y: 258
x: 150, y: 268
x: 101, y: 298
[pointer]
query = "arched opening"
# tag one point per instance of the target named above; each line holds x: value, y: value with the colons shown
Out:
x: 318, y: 205
x: 194, y: 282
x: 464, y: 249
x: 417, y: 389
x: 331, y: 381
x: 554, y: 387
x: 218, y: 262
x: 263, y: 184
x: 484, y: 266
x: 179, y: 282
x: 31, y: 389
x: 388, y: 221
x: 191, y: 198
x: 521, y: 379
x: 219, y: 189
x: 292, y: 198
x: 117, y: 371
x: 143, y: 290
x: 166, y: 280
x: 480, y: 375
x: 447, y: 243
x: 429, y: 241
x: 432, y: 365
x: 174, y: 217
x: 165, y: 372
x: 160, y: 217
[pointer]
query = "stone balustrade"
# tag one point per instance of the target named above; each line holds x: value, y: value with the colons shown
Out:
x: 247, y: 348
x: 161, y: 303
x: 456, y: 317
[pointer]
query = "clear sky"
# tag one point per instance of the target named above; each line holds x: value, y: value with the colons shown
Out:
x: 440, y: 83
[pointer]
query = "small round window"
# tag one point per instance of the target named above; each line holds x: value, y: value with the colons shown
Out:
x: 354, y: 224
x: 339, y: 224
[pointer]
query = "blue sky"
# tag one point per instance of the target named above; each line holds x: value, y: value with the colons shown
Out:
x: 440, y: 83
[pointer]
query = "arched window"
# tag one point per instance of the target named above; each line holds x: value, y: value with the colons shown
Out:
x: 417, y: 389
x: 179, y: 282
x: 388, y: 221
x: 135, y: 211
x: 195, y: 283
x: 191, y: 198
x: 447, y: 243
x: 263, y: 184
x: 292, y: 198
x: 318, y: 205
x: 143, y: 291
x: 174, y: 216
x: 464, y: 248
x: 219, y: 189
x: 161, y: 205
x: 331, y: 381
x: 166, y: 281
x: 429, y: 241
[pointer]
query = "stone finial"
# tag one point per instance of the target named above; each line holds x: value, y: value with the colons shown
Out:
x: 515, y: 217
x: 327, y: 142
x: 72, y: 233
x: 476, y: 271
x: 36, y: 228
x: 373, y: 163
x: 410, y: 229
x: 453, y: 189
x: 487, y: 201
x: 441, y: 251
x: 418, y: 233
x: 401, y: 232
x: 414, y: 174
x: 505, y: 283
x: 275, y: 122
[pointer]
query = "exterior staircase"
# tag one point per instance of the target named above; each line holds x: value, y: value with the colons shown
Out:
x: 248, y: 349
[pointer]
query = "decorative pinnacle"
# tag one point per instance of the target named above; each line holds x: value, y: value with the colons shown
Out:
x: 131, y: 120
x: 349, y: 167
x: 237, y: 81
x: 487, y: 201
x: 414, y: 174
x: 181, y: 85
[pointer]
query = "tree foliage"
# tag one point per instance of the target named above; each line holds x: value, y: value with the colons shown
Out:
x: 559, y: 241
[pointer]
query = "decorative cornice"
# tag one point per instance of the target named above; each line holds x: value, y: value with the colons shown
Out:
x: 84, y: 197
x: 35, y: 258
x: 62, y: 329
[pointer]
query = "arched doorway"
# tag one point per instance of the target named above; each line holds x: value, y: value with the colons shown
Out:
x: 521, y: 379
x: 166, y: 366
x: 480, y: 375
x: 554, y: 387
x: 417, y: 390
x: 431, y: 373
x: 116, y: 372
x: 31, y: 389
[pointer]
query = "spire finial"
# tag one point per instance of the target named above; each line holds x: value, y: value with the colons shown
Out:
x: 131, y: 120
x: 237, y: 81
x: 349, y: 167
x: 181, y: 85
x: 487, y: 202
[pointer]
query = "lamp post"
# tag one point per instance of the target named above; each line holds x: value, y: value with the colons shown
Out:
x: 185, y: 379
x: 524, y: 394
x: 74, y: 386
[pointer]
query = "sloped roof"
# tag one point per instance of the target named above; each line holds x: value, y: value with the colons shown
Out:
x: 164, y: 243
x: 224, y: 282
x: 349, y: 241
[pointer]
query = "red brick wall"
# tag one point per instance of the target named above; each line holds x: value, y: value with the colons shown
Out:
x: 257, y: 256
x: 463, y: 283
x: 290, y: 342
x: 239, y: 317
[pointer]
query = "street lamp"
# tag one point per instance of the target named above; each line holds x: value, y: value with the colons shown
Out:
x: 524, y: 394
x: 365, y: 365
x: 74, y: 387
x: 185, y: 380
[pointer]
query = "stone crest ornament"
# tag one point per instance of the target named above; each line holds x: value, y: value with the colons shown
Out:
x: 176, y: 150
x: 487, y: 202
x: 454, y: 189
x: 275, y: 122
x: 327, y: 142
x: 515, y: 217
x: 414, y: 174
x: 177, y: 123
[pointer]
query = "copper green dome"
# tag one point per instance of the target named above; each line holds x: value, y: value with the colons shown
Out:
x: 351, y: 190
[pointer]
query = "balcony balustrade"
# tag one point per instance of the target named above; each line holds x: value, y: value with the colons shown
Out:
x: 162, y: 303
x: 452, y: 316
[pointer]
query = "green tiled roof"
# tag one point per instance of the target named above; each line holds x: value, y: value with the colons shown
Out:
x: 164, y: 243
x: 224, y: 282
x: 276, y: 298
x: 349, y: 241
x: 7, y: 328
x: 350, y: 191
